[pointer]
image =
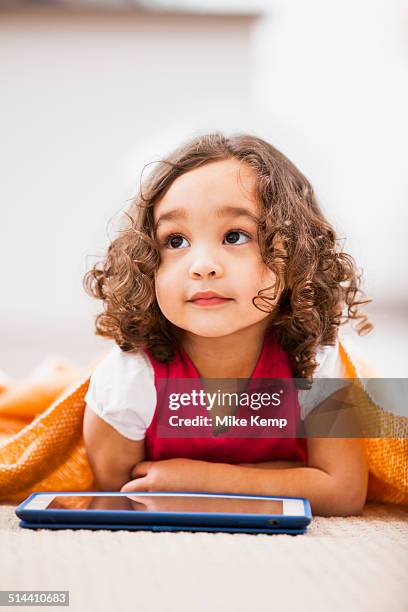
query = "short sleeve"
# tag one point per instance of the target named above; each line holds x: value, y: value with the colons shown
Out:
x: 122, y: 392
x: 329, y: 377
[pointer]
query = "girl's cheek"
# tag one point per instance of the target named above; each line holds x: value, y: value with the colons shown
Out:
x: 263, y: 277
x: 165, y: 279
x: 162, y: 269
x: 166, y: 262
x: 268, y: 274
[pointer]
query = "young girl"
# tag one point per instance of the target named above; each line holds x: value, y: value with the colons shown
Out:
x: 228, y: 269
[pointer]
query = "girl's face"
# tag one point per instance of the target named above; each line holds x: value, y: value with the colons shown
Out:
x: 207, y: 230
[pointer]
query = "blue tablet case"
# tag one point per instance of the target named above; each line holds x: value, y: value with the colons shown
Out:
x: 207, y: 528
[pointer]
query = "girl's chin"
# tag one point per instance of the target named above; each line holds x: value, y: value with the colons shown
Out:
x: 211, y: 330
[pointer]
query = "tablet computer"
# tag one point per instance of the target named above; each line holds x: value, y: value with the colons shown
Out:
x: 163, y: 511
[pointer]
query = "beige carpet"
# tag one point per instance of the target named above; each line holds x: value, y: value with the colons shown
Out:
x: 354, y: 564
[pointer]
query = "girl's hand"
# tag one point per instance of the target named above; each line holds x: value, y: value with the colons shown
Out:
x: 168, y: 475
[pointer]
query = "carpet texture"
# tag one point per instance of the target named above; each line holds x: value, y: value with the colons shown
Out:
x: 353, y: 564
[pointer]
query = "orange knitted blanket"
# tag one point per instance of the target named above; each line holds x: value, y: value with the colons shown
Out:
x: 42, y: 449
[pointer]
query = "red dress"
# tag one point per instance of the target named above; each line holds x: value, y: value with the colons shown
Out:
x: 272, y: 363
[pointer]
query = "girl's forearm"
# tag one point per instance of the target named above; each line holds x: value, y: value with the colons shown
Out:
x: 275, y: 464
x: 326, y: 497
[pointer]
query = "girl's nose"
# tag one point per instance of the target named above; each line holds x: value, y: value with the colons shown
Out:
x: 202, y: 268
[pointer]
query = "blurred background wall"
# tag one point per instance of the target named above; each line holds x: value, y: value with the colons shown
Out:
x: 93, y: 91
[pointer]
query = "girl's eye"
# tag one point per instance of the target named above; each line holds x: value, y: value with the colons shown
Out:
x: 233, y: 237
x: 175, y: 241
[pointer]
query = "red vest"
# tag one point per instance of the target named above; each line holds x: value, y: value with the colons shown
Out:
x: 272, y: 363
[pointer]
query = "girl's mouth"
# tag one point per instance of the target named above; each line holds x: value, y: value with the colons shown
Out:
x: 214, y: 301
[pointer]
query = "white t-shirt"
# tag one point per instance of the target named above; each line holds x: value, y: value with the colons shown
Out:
x: 122, y: 390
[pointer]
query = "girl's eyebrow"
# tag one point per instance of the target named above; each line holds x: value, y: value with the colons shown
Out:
x: 222, y: 211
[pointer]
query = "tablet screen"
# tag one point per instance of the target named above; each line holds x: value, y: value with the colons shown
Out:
x: 168, y: 503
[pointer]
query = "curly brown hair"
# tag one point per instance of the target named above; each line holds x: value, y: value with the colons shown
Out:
x: 320, y: 279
